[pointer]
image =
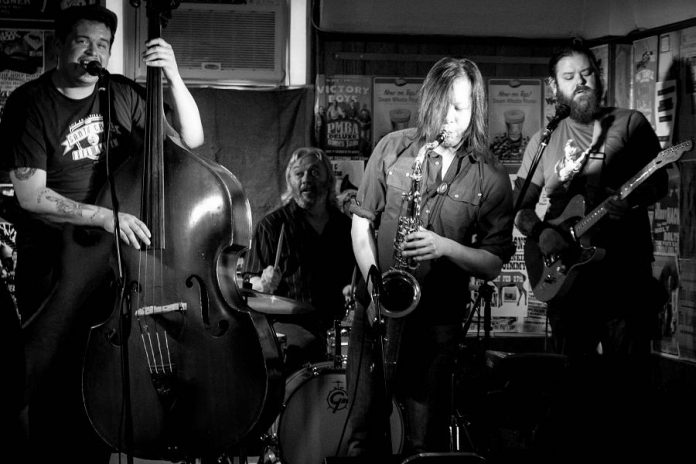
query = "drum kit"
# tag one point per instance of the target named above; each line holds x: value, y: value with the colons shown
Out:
x: 311, y: 424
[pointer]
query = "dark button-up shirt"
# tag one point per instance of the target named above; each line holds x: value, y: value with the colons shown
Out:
x: 475, y: 211
x: 315, y: 267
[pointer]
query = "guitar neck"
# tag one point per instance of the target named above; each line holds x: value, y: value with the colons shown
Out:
x: 583, y: 225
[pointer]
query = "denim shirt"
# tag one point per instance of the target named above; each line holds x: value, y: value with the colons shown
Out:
x: 476, y: 208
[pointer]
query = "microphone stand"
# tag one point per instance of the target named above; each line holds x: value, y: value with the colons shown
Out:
x: 561, y: 113
x: 124, y: 309
x: 537, y: 156
x: 483, y: 298
x: 380, y: 369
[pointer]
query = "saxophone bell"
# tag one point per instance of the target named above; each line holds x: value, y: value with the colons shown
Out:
x: 400, y: 293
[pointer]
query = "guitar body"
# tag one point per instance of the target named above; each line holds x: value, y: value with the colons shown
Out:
x: 552, y: 276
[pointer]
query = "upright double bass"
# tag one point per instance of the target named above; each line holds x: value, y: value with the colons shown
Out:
x: 202, y: 370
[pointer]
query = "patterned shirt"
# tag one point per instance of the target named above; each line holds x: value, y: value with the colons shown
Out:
x: 315, y: 267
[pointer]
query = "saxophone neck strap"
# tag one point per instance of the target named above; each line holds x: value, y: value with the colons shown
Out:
x: 460, y: 165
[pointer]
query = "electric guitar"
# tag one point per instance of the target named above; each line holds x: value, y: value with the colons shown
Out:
x: 551, y: 276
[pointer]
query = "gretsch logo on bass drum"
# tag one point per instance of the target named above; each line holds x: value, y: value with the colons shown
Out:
x: 337, y: 399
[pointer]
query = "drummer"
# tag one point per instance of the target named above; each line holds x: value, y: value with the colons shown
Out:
x: 302, y: 251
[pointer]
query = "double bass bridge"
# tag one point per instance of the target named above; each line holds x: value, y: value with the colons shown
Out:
x: 161, y: 309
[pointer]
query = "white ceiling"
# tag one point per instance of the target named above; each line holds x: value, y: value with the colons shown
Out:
x: 545, y: 19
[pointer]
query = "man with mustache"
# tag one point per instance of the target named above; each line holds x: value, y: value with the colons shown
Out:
x: 316, y: 259
x: 603, y: 324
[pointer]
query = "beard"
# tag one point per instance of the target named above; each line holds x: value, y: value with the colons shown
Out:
x: 584, y: 105
x: 308, y: 196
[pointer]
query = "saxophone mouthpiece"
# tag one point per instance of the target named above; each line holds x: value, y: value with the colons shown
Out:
x: 439, y: 139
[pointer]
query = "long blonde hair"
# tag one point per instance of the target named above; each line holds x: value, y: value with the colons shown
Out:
x: 297, y: 156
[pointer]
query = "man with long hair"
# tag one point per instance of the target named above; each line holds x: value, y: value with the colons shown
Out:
x: 315, y: 260
x: 465, y: 230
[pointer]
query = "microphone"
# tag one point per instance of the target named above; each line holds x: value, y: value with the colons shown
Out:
x: 94, y: 68
x: 562, y: 112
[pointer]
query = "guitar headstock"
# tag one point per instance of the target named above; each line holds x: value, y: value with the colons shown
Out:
x: 672, y: 154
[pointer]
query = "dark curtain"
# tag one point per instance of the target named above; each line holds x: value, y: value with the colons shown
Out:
x: 253, y: 133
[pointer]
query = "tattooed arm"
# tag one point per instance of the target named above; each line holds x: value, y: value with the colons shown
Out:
x: 33, y: 196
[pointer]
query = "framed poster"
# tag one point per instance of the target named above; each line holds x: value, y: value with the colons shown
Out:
x: 514, y: 114
x: 343, y: 115
x: 687, y: 54
x: 666, y: 271
x: 665, y: 217
x: 395, y: 104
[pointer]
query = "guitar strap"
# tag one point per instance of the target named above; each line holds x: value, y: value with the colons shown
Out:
x: 441, y: 188
x: 595, y: 162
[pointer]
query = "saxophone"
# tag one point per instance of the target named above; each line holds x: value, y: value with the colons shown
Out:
x: 401, y: 292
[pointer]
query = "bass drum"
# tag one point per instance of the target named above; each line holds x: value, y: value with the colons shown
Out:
x: 312, y: 421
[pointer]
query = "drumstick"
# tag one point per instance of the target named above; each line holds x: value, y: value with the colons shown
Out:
x: 280, y: 245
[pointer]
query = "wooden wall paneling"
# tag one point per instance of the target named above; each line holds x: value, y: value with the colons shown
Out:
x: 384, y: 67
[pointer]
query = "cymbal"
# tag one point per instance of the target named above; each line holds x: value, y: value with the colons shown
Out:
x: 273, y: 304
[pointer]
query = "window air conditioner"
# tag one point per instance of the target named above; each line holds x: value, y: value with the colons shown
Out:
x: 223, y: 43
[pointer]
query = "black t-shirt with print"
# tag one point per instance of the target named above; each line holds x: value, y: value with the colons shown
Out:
x: 44, y: 129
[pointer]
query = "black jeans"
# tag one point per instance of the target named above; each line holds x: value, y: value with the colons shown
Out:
x: 421, y: 386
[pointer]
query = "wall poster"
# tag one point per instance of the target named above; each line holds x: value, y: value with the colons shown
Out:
x: 666, y: 271
x: 687, y: 53
x: 8, y: 249
x: 21, y: 59
x: 665, y: 217
x: 343, y: 115
x: 514, y: 113
x: 514, y: 309
x: 601, y: 53
x: 645, y: 76
x: 686, y: 314
x: 395, y: 104
x: 623, y: 77
x: 349, y: 173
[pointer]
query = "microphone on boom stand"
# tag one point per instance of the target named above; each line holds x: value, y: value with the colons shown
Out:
x: 94, y: 68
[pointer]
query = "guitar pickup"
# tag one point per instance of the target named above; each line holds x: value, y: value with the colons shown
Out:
x: 153, y: 310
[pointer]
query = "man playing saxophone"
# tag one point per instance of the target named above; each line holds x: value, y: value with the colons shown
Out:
x: 463, y: 229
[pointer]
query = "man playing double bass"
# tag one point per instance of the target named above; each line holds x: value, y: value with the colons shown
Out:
x: 54, y: 147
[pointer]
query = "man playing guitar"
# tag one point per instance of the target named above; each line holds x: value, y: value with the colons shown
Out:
x: 602, y: 321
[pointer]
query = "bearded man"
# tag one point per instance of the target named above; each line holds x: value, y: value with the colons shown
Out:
x: 603, y: 322
x: 315, y: 261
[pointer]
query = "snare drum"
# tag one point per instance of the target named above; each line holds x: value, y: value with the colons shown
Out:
x: 315, y: 411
